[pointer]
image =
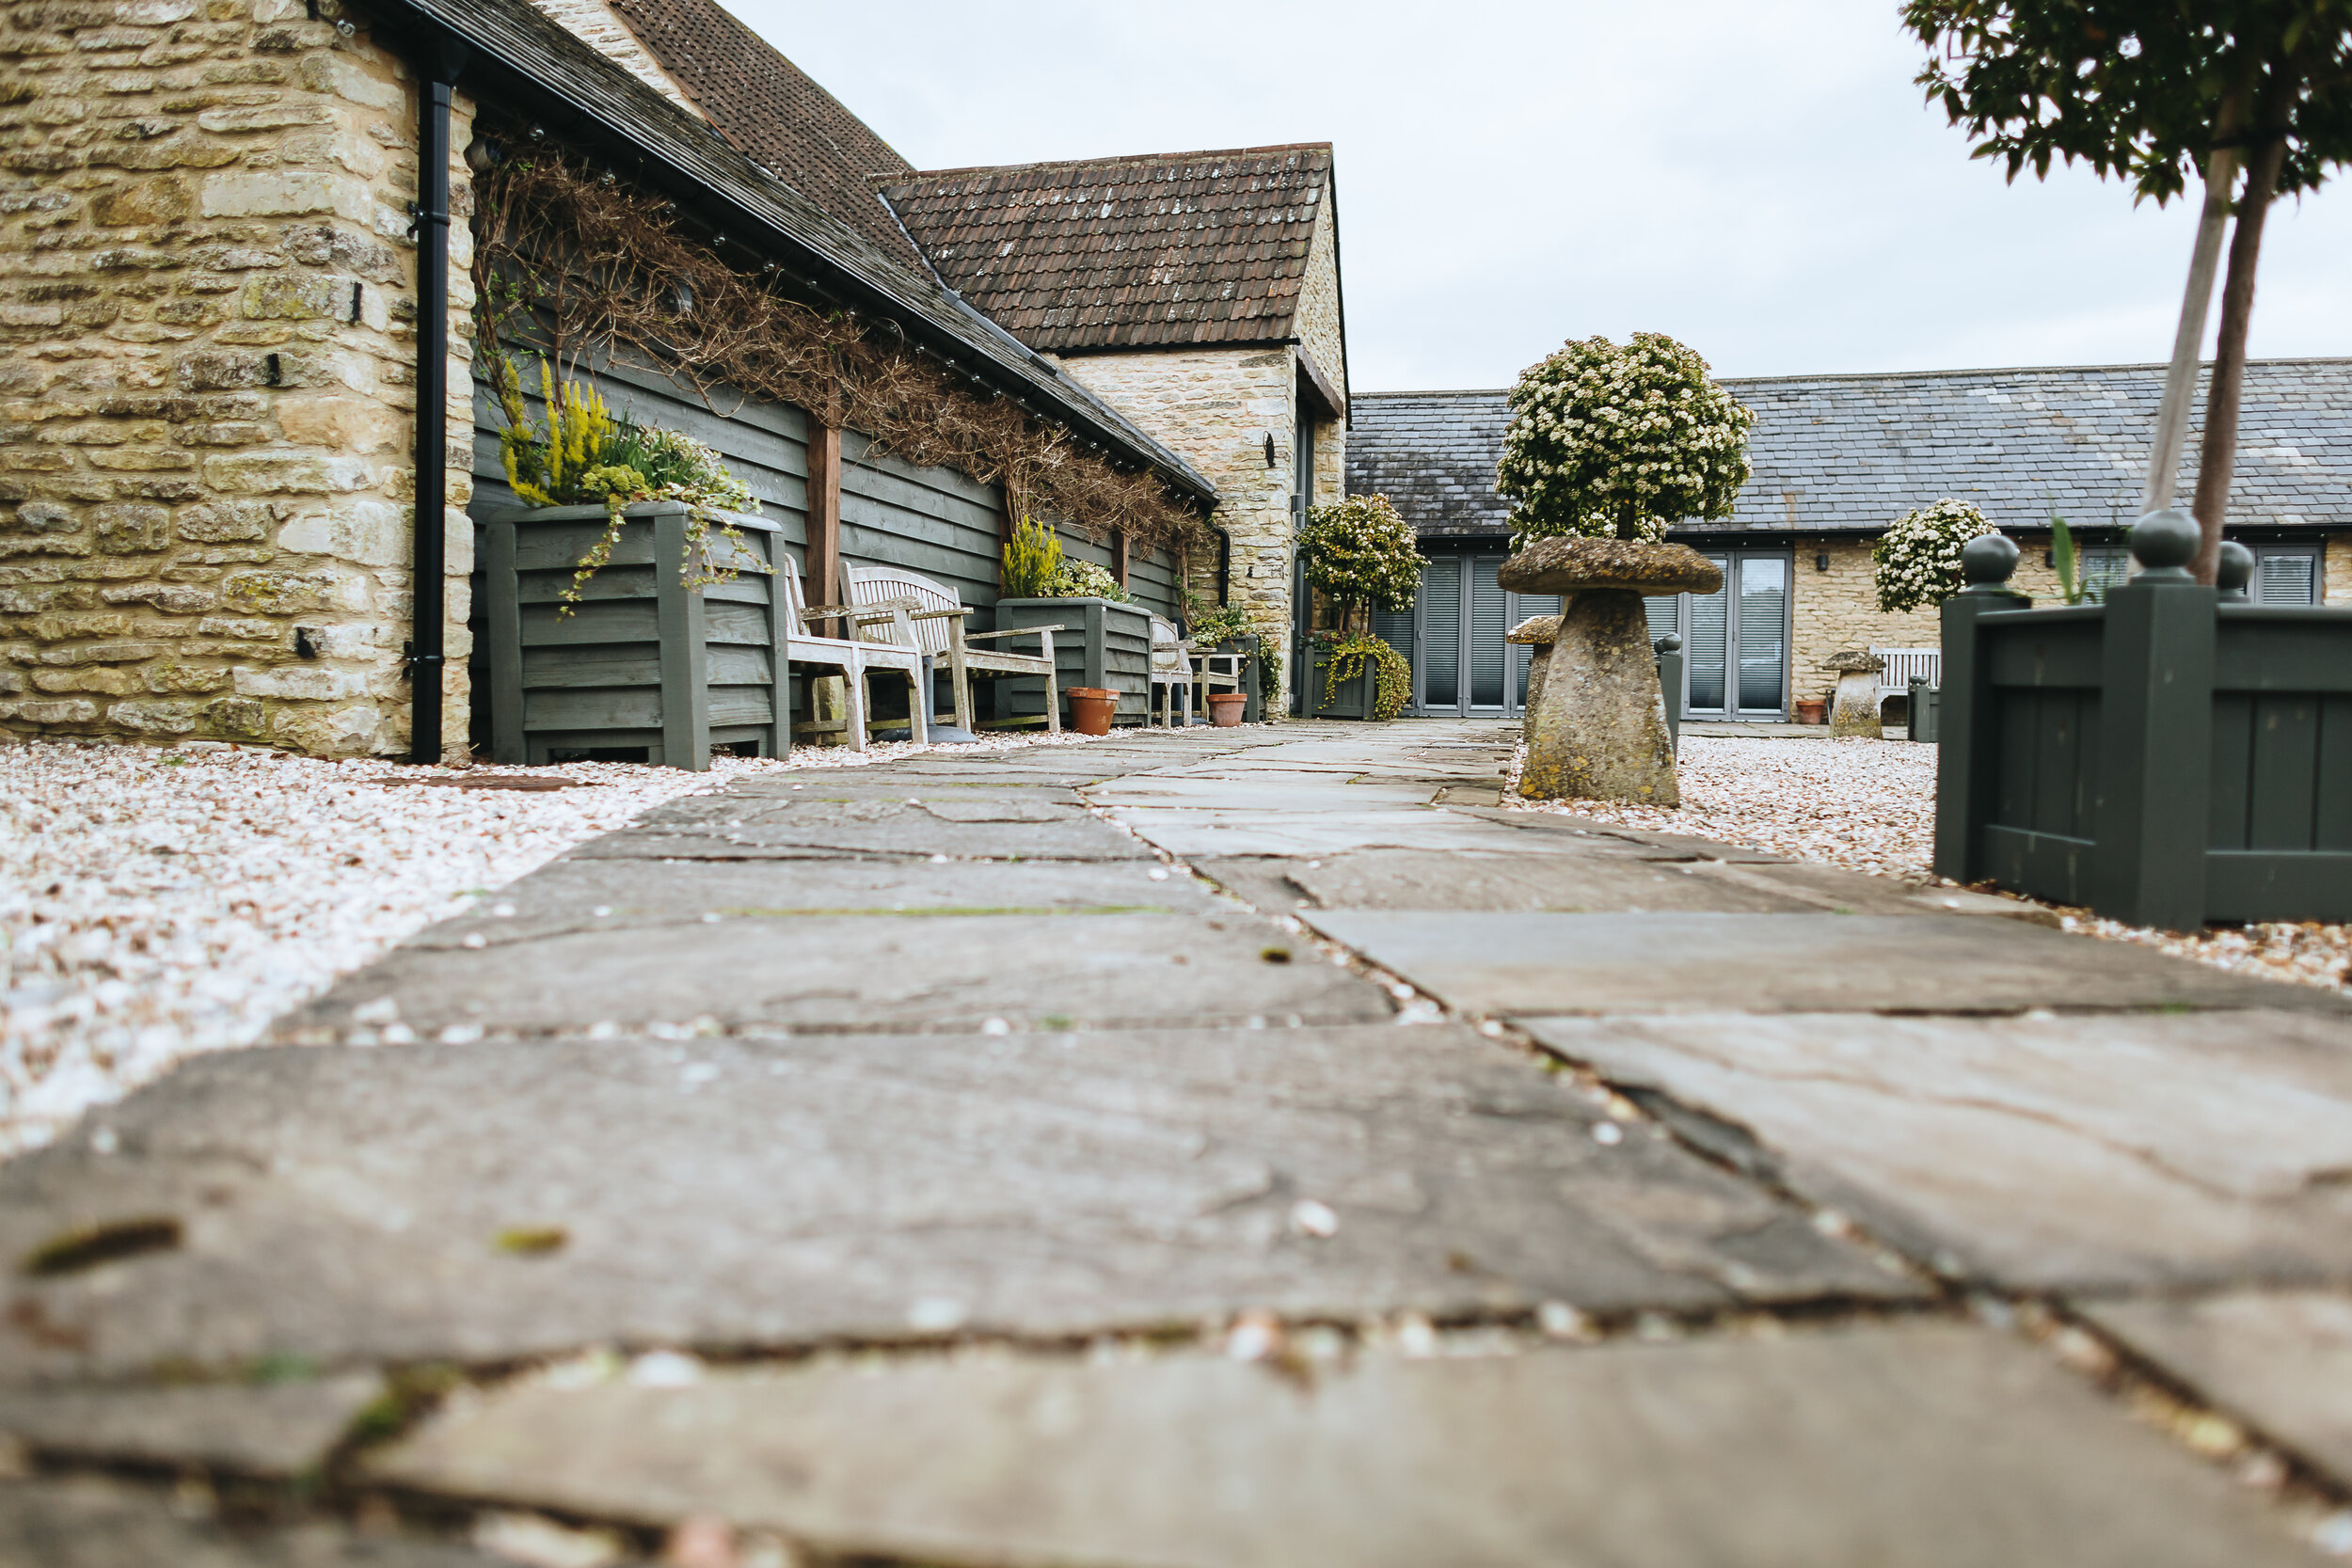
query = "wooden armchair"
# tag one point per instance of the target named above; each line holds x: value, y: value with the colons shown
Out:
x: 855, y: 658
x: 934, y: 627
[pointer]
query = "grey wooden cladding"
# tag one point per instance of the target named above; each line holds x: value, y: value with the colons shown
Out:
x: 2164, y: 758
x: 644, y: 661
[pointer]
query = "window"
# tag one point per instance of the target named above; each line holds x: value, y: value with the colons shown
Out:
x: 2285, y: 575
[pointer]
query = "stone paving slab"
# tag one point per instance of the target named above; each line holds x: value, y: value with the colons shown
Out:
x: 2083, y: 1152
x: 1212, y: 833
x: 1543, y: 824
x: 962, y: 828
x: 349, y: 1204
x: 851, y: 971
x: 91, y: 1522
x: 279, y: 1429
x: 1929, y: 1446
x: 2281, y: 1360
x: 1417, y: 879
x: 1527, y: 963
x: 564, y: 894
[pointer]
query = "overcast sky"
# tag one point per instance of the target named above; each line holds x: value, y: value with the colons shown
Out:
x: 1758, y: 178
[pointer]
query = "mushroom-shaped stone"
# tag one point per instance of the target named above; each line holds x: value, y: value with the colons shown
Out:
x: 1572, y: 566
x: 1536, y: 631
x: 1595, y: 715
x: 1854, y: 708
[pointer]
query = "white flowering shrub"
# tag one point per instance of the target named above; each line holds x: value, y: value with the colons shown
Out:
x: 1917, y: 561
x: 1361, y: 552
x: 1608, y: 441
x: 1084, y: 580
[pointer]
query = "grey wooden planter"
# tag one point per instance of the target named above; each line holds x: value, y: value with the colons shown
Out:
x: 2166, y: 758
x: 1354, y: 698
x: 1106, y: 644
x: 642, y: 662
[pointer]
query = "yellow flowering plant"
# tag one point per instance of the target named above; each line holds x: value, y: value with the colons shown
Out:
x: 588, y: 456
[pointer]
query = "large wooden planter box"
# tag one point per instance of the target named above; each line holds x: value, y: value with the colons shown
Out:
x: 1106, y: 643
x: 2166, y: 758
x: 643, y: 664
x: 1354, y: 698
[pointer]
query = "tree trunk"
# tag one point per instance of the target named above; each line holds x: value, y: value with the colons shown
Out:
x: 2180, y: 382
x: 2216, y: 454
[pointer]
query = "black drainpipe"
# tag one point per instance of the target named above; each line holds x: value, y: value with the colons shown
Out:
x: 444, y: 60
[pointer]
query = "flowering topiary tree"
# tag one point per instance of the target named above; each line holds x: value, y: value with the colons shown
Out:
x: 1917, y: 561
x: 1362, y: 554
x: 1365, y: 557
x: 1606, y: 441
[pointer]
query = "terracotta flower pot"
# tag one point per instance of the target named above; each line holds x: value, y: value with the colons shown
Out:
x: 1225, y: 709
x: 1813, y: 713
x: 1090, y: 708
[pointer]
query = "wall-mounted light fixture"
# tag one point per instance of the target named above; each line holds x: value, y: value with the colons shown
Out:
x: 1820, y: 562
x: 1269, y: 449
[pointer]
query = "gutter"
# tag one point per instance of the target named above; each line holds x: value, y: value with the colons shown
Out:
x: 443, y: 59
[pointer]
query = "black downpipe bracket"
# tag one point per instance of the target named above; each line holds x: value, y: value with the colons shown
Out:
x: 427, y: 647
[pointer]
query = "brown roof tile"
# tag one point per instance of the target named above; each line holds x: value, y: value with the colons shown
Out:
x: 769, y: 107
x: 1162, y: 251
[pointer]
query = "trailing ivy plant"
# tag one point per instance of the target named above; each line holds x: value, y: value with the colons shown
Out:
x: 1620, y: 442
x: 588, y: 456
x: 1915, y: 562
x: 1392, y: 675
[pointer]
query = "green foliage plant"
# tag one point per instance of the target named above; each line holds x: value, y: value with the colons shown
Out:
x: 1608, y: 441
x: 2151, y: 91
x: 1915, y: 562
x: 588, y: 456
x: 1363, y: 555
x: 1032, y: 561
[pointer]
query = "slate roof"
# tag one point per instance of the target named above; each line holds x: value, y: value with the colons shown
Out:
x: 533, y: 67
x: 1115, y: 253
x: 1850, y: 453
x: 768, y: 106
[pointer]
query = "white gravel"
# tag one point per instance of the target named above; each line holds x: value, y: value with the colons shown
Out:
x: 155, y: 903
x: 1869, y: 805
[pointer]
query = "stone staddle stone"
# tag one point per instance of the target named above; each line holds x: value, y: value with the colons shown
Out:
x: 1536, y: 631
x: 1595, y: 717
x: 1853, y: 708
x: 1573, y: 566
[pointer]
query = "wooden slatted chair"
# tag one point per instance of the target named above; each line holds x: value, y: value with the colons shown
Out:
x: 934, y: 627
x: 855, y: 658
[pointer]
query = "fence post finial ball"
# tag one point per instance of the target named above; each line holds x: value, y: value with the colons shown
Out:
x: 2234, y: 570
x: 2163, y: 542
x: 1987, y: 560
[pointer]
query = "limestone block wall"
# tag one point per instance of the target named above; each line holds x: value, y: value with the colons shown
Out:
x: 1214, y: 408
x: 1838, y: 609
x: 2335, y: 570
x: 207, y: 374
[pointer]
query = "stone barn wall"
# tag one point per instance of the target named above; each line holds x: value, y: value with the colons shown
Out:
x: 207, y: 371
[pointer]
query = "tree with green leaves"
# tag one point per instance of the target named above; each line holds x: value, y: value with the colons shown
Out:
x: 2154, y: 91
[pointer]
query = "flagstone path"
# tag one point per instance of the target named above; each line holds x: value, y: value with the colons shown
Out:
x: 1205, y: 1149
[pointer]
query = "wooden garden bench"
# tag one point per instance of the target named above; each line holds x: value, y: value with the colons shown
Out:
x: 856, y: 658
x: 1905, y: 665
x: 934, y: 627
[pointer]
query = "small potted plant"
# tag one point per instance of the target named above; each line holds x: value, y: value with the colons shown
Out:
x: 1227, y: 631
x: 1362, y: 556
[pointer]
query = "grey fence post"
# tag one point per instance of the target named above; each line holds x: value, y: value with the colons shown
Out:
x: 685, y: 651
x: 2155, y: 734
x: 1669, y: 651
x: 1966, y: 756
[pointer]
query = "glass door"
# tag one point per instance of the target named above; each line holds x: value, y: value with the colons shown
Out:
x: 1461, y: 664
x: 1735, y: 642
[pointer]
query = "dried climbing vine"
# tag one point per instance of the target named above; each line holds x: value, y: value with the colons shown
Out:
x: 574, y: 264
